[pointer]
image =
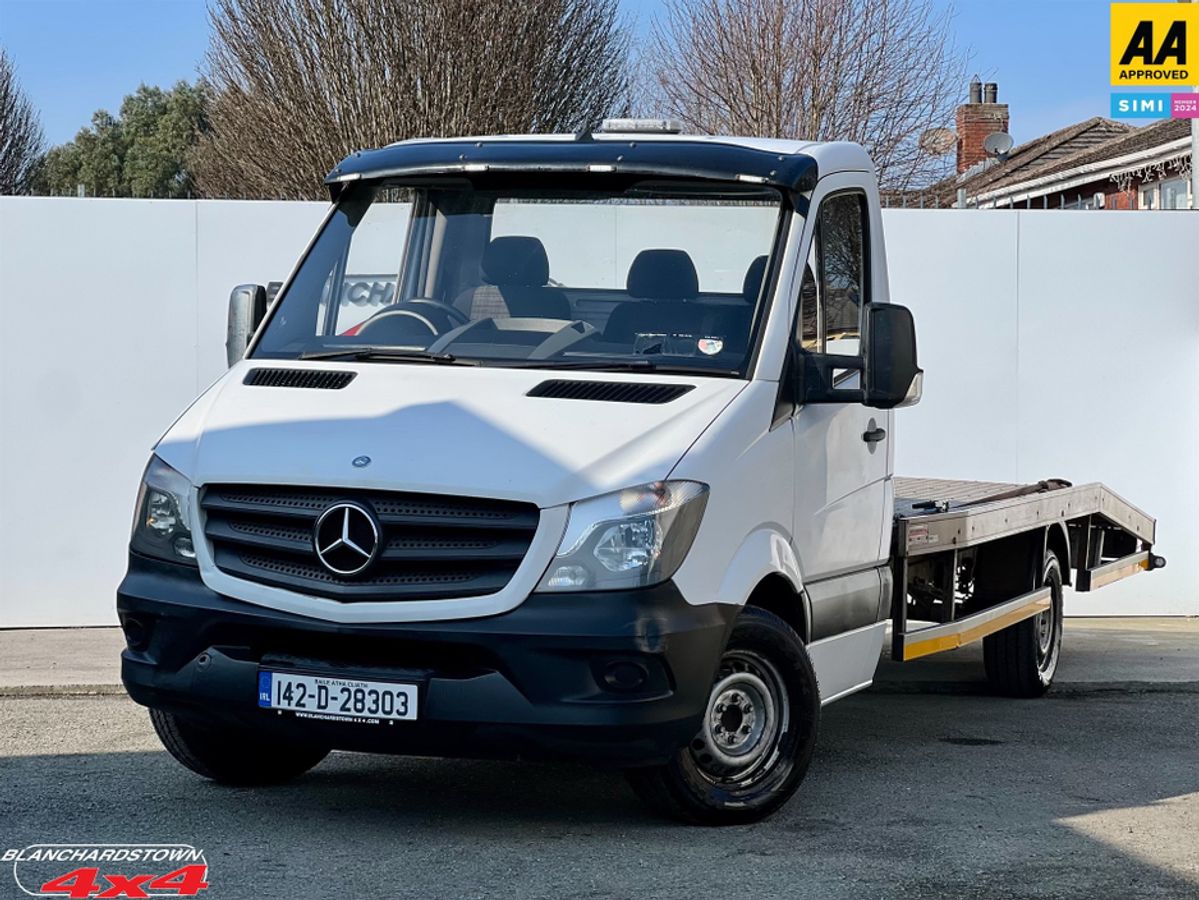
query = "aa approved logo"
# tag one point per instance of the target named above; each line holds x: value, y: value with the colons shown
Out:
x: 1155, y: 44
x: 109, y: 870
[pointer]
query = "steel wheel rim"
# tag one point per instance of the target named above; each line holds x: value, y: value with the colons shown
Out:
x: 1046, y: 625
x: 746, y: 715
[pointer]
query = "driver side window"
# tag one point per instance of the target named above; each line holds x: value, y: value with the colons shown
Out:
x: 834, y: 281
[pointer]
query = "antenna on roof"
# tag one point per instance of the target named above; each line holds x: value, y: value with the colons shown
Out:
x: 998, y: 144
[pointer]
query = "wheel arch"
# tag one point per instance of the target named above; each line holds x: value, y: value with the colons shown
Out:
x: 763, y: 571
x: 1058, y: 541
x: 776, y: 594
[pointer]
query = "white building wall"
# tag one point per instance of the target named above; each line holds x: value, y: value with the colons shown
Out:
x: 1054, y: 344
x: 112, y: 319
x: 1061, y: 344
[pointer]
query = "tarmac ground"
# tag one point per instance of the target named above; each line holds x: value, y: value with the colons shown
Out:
x: 925, y: 786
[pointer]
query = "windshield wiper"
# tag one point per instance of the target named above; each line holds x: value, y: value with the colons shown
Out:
x: 640, y: 364
x: 387, y: 354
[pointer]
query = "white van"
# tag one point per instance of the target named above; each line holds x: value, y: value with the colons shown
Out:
x: 578, y: 447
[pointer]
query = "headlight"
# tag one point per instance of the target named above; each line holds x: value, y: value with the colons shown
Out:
x: 160, y: 518
x: 630, y: 538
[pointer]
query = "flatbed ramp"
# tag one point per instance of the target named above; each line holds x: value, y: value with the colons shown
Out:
x: 946, y: 529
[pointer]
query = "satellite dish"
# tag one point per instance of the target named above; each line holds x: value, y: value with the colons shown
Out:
x: 998, y: 143
x: 938, y: 141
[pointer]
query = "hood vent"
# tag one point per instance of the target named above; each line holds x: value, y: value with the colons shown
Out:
x: 299, y: 378
x: 610, y: 391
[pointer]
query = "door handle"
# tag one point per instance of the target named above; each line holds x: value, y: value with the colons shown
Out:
x: 874, y: 435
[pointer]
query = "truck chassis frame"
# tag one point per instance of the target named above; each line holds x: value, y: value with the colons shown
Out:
x: 966, y: 554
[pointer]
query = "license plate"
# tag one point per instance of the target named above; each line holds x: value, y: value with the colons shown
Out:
x: 318, y: 696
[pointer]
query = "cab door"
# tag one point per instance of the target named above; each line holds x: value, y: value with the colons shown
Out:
x: 842, y: 450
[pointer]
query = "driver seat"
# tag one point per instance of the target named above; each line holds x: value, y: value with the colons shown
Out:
x: 515, y: 270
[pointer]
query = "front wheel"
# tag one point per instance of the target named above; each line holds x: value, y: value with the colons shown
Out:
x: 233, y: 756
x: 1021, y: 659
x: 757, y: 735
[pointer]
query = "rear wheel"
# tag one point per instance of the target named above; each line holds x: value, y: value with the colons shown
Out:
x: 757, y: 736
x: 1021, y: 660
x: 233, y: 756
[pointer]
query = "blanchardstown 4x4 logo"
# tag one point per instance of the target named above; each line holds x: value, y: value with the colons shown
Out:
x: 109, y: 870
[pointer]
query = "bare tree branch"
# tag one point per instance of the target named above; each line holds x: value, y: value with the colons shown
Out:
x: 878, y: 72
x: 299, y: 84
x: 21, y: 140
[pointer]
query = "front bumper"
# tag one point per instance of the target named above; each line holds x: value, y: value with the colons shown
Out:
x: 617, y: 677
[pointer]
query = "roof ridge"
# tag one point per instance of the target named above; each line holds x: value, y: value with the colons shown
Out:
x: 1042, y: 145
x: 1111, y: 144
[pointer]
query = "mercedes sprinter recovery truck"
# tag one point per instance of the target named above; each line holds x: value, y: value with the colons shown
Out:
x: 580, y: 447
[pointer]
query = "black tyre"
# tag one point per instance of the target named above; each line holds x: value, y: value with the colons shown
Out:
x: 1021, y: 660
x: 758, y: 734
x: 233, y: 756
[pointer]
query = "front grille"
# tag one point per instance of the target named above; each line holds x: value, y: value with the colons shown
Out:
x: 432, y: 546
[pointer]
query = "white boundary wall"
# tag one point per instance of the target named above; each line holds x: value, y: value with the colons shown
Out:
x: 1054, y: 343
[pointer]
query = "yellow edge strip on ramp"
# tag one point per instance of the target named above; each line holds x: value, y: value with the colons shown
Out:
x: 913, y: 649
x: 1117, y: 574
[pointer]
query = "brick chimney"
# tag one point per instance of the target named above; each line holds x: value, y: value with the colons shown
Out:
x: 982, y: 115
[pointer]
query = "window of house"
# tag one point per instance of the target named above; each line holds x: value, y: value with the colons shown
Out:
x: 833, y: 286
x: 1174, y: 194
x: 1171, y: 193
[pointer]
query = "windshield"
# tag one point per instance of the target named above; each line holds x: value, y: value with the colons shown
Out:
x: 647, y: 276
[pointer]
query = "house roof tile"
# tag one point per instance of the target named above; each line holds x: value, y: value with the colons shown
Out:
x: 1032, y: 158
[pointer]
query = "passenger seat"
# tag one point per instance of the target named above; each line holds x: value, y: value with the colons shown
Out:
x: 751, y: 287
x: 663, y: 281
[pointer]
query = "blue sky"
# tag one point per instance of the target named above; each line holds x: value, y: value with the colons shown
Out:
x: 76, y: 56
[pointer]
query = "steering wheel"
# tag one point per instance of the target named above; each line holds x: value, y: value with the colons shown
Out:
x: 455, y: 314
x: 446, y: 317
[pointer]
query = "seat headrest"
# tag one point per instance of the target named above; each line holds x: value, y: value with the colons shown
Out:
x: 663, y: 275
x: 751, y: 287
x: 515, y: 260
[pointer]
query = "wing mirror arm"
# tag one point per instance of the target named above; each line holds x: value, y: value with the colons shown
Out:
x: 817, y: 375
x: 890, y: 376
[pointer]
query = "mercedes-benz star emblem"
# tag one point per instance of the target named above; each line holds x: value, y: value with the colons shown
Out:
x: 346, y: 538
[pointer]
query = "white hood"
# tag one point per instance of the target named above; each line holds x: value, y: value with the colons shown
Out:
x: 440, y: 429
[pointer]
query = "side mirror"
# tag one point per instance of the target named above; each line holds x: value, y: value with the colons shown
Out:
x: 892, y: 377
x: 889, y: 374
x: 247, y: 309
